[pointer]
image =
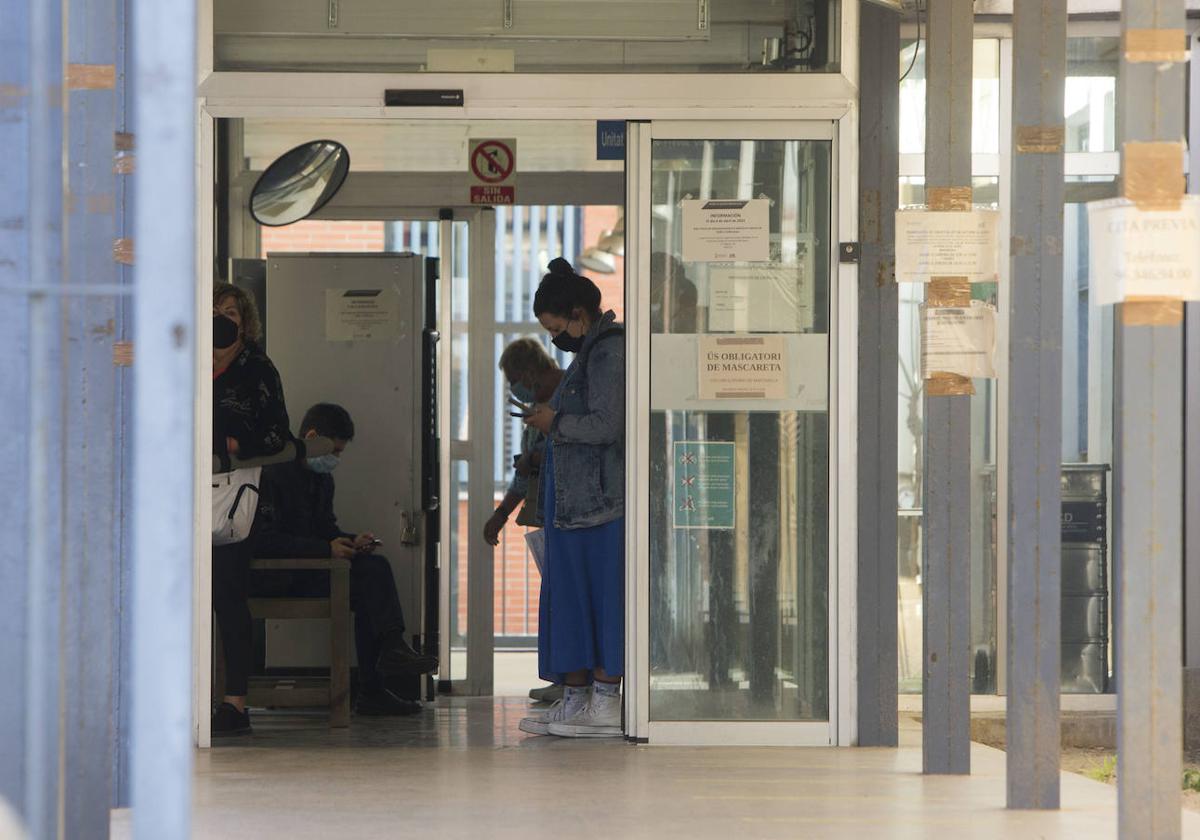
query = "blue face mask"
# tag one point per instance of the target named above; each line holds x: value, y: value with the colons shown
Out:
x: 523, y: 393
x: 323, y: 463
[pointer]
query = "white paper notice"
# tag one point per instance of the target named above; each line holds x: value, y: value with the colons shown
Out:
x: 361, y: 314
x: 727, y: 230
x: 961, y: 341
x: 742, y: 367
x: 1143, y: 253
x: 933, y: 243
x: 760, y: 298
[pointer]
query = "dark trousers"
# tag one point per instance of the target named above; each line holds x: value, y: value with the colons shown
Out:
x: 230, y: 588
x: 373, y: 598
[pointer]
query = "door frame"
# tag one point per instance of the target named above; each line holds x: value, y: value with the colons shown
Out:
x: 842, y: 406
x: 731, y: 99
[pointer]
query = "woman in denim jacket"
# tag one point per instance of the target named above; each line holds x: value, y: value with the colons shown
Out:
x: 581, y: 631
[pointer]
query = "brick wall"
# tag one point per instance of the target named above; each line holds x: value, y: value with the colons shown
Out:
x: 321, y: 235
x: 596, y: 221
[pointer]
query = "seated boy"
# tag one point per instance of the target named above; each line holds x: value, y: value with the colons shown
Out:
x: 296, y: 519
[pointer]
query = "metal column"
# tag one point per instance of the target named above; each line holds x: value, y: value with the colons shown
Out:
x: 1149, y: 446
x: 15, y: 112
x: 91, y: 450
x: 42, y: 699
x: 946, y: 551
x: 1191, y: 449
x: 164, y: 105
x: 1035, y: 403
x: 878, y: 315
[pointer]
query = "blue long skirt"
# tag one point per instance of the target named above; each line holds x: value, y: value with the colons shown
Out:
x: 581, y: 611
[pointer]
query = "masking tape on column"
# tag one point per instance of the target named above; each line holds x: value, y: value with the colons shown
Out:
x: 939, y: 384
x: 1152, y: 175
x: 123, y: 141
x: 1151, y: 312
x: 123, y: 251
x: 948, y: 292
x: 1156, y: 46
x: 948, y: 198
x: 1040, y: 139
x: 123, y: 164
x: 123, y: 353
x: 91, y: 77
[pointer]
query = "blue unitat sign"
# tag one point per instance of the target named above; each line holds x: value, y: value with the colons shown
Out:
x: 610, y: 140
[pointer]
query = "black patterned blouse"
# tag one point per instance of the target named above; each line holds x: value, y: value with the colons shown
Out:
x: 248, y: 406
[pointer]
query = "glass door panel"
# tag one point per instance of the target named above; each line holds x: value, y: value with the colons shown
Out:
x: 739, y: 440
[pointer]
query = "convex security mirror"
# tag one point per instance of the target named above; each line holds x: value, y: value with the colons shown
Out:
x: 299, y: 183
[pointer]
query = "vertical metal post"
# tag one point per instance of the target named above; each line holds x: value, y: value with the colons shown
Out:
x: 92, y: 417
x: 1149, y: 447
x: 878, y: 317
x: 1191, y: 449
x: 43, y: 702
x: 164, y: 105
x: 946, y: 549
x: 1035, y: 403
x: 16, y: 104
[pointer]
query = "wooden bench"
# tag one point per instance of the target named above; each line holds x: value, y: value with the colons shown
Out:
x: 287, y: 692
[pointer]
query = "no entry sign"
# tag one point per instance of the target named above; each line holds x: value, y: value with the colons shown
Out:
x: 493, y: 171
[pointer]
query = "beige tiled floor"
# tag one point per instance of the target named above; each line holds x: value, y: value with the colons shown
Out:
x: 465, y: 771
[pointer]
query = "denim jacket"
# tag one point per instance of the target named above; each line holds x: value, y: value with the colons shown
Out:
x: 588, y: 432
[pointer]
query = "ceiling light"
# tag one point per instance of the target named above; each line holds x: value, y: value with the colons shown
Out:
x: 595, y: 259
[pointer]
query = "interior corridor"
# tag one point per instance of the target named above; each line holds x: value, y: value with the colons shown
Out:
x: 464, y: 770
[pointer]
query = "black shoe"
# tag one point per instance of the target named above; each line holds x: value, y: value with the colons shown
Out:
x: 227, y: 720
x: 379, y: 702
x: 397, y: 659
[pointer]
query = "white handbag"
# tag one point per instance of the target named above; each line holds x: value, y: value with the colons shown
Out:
x: 234, y: 502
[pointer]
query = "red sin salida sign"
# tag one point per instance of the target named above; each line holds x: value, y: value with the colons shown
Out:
x: 493, y: 165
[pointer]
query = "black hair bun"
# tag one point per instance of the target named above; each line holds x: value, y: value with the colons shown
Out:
x: 560, y: 266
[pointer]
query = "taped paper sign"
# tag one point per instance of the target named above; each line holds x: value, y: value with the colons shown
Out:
x: 704, y: 482
x: 933, y: 243
x: 760, y: 298
x: 727, y: 230
x: 959, y: 340
x: 742, y: 367
x: 361, y: 314
x: 1143, y: 253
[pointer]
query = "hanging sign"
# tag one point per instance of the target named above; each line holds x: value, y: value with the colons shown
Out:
x: 937, y: 243
x: 493, y: 165
x: 727, y: 230
x: 705, y: 479
x: 1143, y: 253
x: 959, y: 340
x: 361, y: 314
x: 742, y: 367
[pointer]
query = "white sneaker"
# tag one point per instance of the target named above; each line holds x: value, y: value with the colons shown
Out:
x: 561, y: 710
x: 601, y: 719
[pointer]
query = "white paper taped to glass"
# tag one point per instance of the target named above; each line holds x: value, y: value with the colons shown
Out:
x: 959, y: 340
x: 937, y: 243
x: 1143, y: 253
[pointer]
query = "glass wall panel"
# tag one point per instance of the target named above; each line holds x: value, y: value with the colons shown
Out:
x: 1091, y: 94
x: 739, y: 430
x: 985, y: 97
